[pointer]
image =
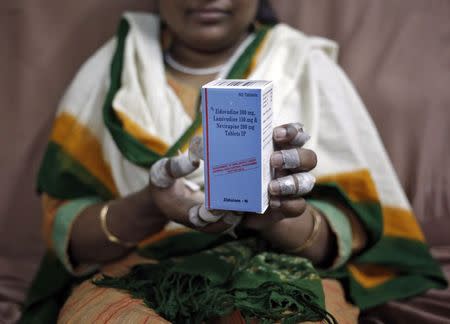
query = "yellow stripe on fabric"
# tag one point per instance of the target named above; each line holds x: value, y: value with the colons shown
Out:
x: 369, y: 276
x: 255, y: 58
x: 400, y: 222
x: 358, y: 185
x: 150, y: 141
x: 79, y: 142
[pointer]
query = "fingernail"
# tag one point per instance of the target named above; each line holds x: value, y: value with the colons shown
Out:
x: 275, y: 202
x: 279, y: 133
x: 274, y: 187
x: 276, y: 160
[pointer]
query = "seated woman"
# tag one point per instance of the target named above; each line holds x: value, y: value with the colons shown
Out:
x: 135, y: 103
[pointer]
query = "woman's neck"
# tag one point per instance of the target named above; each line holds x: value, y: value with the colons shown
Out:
x: 197, y: 58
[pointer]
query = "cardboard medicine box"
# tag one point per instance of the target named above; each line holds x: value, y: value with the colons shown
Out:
x: 237, y: 138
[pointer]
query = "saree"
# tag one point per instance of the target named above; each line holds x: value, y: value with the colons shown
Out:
x: 110, y: 128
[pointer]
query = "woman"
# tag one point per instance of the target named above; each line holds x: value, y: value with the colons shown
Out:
x: 135, y: 102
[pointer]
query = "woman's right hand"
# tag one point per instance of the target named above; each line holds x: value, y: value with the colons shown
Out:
x: 178, y: 203
x: 176, y: 200
x: 181, y: 204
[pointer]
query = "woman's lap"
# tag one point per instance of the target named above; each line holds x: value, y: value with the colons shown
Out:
x: 89, y: 303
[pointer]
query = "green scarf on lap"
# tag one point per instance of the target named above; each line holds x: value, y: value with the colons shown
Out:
x: 213, y: 282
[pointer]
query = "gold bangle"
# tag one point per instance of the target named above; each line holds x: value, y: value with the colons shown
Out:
x: 317, y: 220
x: 110, y: 236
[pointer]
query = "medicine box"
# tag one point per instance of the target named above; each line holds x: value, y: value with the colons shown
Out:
x: 237, y: 139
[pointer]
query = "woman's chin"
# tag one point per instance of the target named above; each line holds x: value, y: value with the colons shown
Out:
x: 212, y: 39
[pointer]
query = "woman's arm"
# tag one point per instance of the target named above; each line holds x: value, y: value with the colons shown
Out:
x: 324, y: 230
x: 131, y: 219
x: 322, y: 247
x: 141, y: 214
x: 291, y: 233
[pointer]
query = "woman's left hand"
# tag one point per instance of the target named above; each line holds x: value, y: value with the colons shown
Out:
x: 292, y: 164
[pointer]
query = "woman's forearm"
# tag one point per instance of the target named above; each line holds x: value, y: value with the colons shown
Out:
x: 291, y: 233
x: 131, y: 219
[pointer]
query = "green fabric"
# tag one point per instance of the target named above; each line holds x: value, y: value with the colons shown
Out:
x: 340, y: 226
x: 134, y: 151
x: 369, y: 212
x: 65, y: 215
x: 62, y: 176
x: 408, y: 258
x: 48, y: 292
x: 130, y: 147
x: 405, y: 286
x: 238, y: 275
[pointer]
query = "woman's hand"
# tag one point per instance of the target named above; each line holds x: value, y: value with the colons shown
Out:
x: 183, y: 205
x: 178, y: 201
x: 291, y: 163
x: 291, y: 224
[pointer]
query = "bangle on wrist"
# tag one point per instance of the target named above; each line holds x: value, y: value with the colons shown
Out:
x: 317, y: 221
x: 110, y: 236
